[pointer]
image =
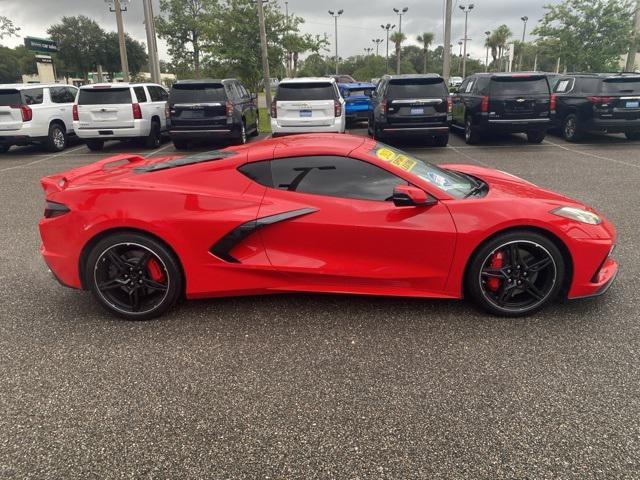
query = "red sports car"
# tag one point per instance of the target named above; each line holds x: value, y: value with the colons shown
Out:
x: 317, y: 213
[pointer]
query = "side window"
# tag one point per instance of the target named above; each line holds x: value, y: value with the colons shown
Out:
x: 243, y: 91
x: 58, y: 94
x: 470, y: 86
x: 381, y: 86
x: 463, y: 86
x: 71, y: 94
x: 33, y: 96
x: 334, y: 177
x: 564, y: 85
x: 482, y: 86
x: 140, y: 94
x: 157, y: 94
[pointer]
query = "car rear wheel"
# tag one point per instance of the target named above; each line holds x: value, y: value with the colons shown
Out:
x: 155, y: 137
x: 241, y: 139
x: 536, y: 136
x: 134, y: 276
x: 515, y: 274
x: 180, y: 144
x: 633, y: 134
x: 441, y: 141
x: 4, y: 148
x: 95, y: 145
x: 471, y: 134
x: 570, y: 130
x: 57, y: 138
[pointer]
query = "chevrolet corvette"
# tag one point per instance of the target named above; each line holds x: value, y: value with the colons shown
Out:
x: 317, y: 213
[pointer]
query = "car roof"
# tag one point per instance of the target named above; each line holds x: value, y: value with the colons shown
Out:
x: 603, y: 75
x: 357, y: 85
x: 308, y: 80
x: 510, y: 74
x: 306, y: 144
x: 119, y: 85
x: 412, y: 76
x: 204, y: 81
x: 22, y: 86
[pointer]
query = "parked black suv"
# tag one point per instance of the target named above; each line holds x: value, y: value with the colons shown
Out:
x: 211, y: 109
x: 605, y: 103
x: 411, y: 104
x: 504, y: 103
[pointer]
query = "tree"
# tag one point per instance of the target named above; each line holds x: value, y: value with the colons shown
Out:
x: 9, y: 68
x: 80, y: 43
x: 184, y: 28
x: 497, y: 41
x: 425, y: 39
x: 7, y: 28
x: 588, y: 35
x: 397, y: 38
x: 136, y: 54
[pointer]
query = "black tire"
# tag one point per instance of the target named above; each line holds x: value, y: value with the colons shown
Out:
x: 256, y: 130
x: 241, y: 138
x: 180, y: 144
x: 120, y: 273
x: 471, y: 134
x: 441, y: 141
x: 95, y: 145
x: 632, y: 134
x: 521, y: 286
x: 570, y: 130
x: 57, y: 138
x: 4, y: 148
x: 536, y: 136
x: 154, y: 139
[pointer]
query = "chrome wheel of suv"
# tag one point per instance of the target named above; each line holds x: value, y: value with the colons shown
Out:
x: 570, y: 130
x: 57, y: 139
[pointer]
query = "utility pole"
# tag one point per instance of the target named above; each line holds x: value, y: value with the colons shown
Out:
x: 466, y: 9
x: 335, y: 17
x: 446, y: 61
x: 633, y: 46
x: 265, y: 57
x: 387, y: 27
x: 400, y: 13
x: 486, y: 62
x: 524, y: 32
x: 152, y: 45
x: 377, y: 41
x: 118, y: 9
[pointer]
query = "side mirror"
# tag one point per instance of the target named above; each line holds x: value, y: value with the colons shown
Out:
x: 408, y: 196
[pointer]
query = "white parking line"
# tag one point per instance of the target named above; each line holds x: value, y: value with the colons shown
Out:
x: 44, y: 159
x: 457, y: 149
x: 159, y: 150
x: 599, y: 157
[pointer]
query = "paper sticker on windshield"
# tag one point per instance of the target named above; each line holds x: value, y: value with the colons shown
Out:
x: 439, y: 180
x: 386, y: 154
x: 404, y: 162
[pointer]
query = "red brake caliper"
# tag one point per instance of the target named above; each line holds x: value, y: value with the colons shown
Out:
x: 155, y: 272
x: 497, y: 261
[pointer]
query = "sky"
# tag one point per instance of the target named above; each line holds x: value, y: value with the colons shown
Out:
x: 357, y: 26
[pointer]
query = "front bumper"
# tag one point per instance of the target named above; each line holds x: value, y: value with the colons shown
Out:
x: 603, y: 280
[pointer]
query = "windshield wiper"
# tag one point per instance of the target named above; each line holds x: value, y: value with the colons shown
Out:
x: 478, y: 186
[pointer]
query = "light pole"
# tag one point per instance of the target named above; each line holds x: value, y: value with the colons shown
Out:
x: 466, y: 9
x: 377, y: 41
x: 460, y: 58
x: 486, y: 62
x: 387, y: 27
x: 524, y: 19
x: 152, y: 45
x: 368, y: 50
x: 400, y: 13
x: 335, y: 17
x: 265, y: 56
x: 446, y: 60
x: 119, y: 6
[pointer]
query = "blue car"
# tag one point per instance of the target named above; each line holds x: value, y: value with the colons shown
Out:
x: 357, y: 98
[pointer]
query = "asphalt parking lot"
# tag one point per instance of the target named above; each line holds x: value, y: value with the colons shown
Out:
x: 313, y: 386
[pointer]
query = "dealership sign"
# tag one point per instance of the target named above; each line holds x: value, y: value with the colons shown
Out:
x: 42, y: 45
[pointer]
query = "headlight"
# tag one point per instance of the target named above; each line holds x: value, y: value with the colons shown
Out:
x: 577, y: 214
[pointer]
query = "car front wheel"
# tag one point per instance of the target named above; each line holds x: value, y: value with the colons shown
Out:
x: 134, y: 276
x: 515, y: 274
x: 95, y: 145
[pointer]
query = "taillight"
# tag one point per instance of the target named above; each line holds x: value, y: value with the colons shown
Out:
x: 229, y: 109
x: 552, y: 103
x: 137, y: 112
x: 74, y: 111
x: 337, y: 108
x: 25, y: 112
x: 599, y: 100
x: 449, y: 104
x: 53, y: 209
x: 383, y: 106
x: 484, y: 105
x: 274, y: 109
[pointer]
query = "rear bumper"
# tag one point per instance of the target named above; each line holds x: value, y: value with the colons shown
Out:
x: 613, y: 125
x: 515, y: 125
x: 357, y: 114
x: 204, y: 133
x: 439, y: 128
x: 336, y: 127
x: 140, y: 128
x: 29, y: 133
x: 19, y: 139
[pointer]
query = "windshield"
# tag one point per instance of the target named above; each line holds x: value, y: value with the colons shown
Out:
x: 621, y: 85
x: 455, y: 184
x: 104, y: 96
x: 197, y: 93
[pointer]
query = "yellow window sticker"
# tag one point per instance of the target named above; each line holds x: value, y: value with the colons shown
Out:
x: 404, y: 162
x: 386, y: 154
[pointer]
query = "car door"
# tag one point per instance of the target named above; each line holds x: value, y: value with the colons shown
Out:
x: 338, y: 229
x: 158, y: 102
x: 458, y: 105
x: 62, y: 103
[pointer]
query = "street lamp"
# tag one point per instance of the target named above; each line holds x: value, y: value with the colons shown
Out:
x: 377, y: 41
x: 335, y: 17
x: 486, y: 62
x: 368, y: 50
x: 460, y: 45
x: 387, y: 27
x: 524, y: 19
x: 466, y: 9
x: 400, y: 13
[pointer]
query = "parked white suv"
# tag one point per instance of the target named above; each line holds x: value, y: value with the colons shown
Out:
x: 120, y: 111
x: 36, y: 113
x: 303, y: 105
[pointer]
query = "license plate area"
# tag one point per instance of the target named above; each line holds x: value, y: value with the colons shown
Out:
x: 417, y: 111
x: 305, y: 113
x: 635, y: 104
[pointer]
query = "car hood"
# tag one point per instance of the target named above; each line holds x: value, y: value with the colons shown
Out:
x: 505, y: 185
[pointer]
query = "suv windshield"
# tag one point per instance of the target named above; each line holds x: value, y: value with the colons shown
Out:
x: 621, y: 85
x: 197, y: 93
x: 9, y: 97
x: 417, y: 88
x: 104, y: 96
x: 455, y: 184
x: 519, y: 86
x: 306, y: 91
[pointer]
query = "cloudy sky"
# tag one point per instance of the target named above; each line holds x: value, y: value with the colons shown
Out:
x: 358, y: 26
